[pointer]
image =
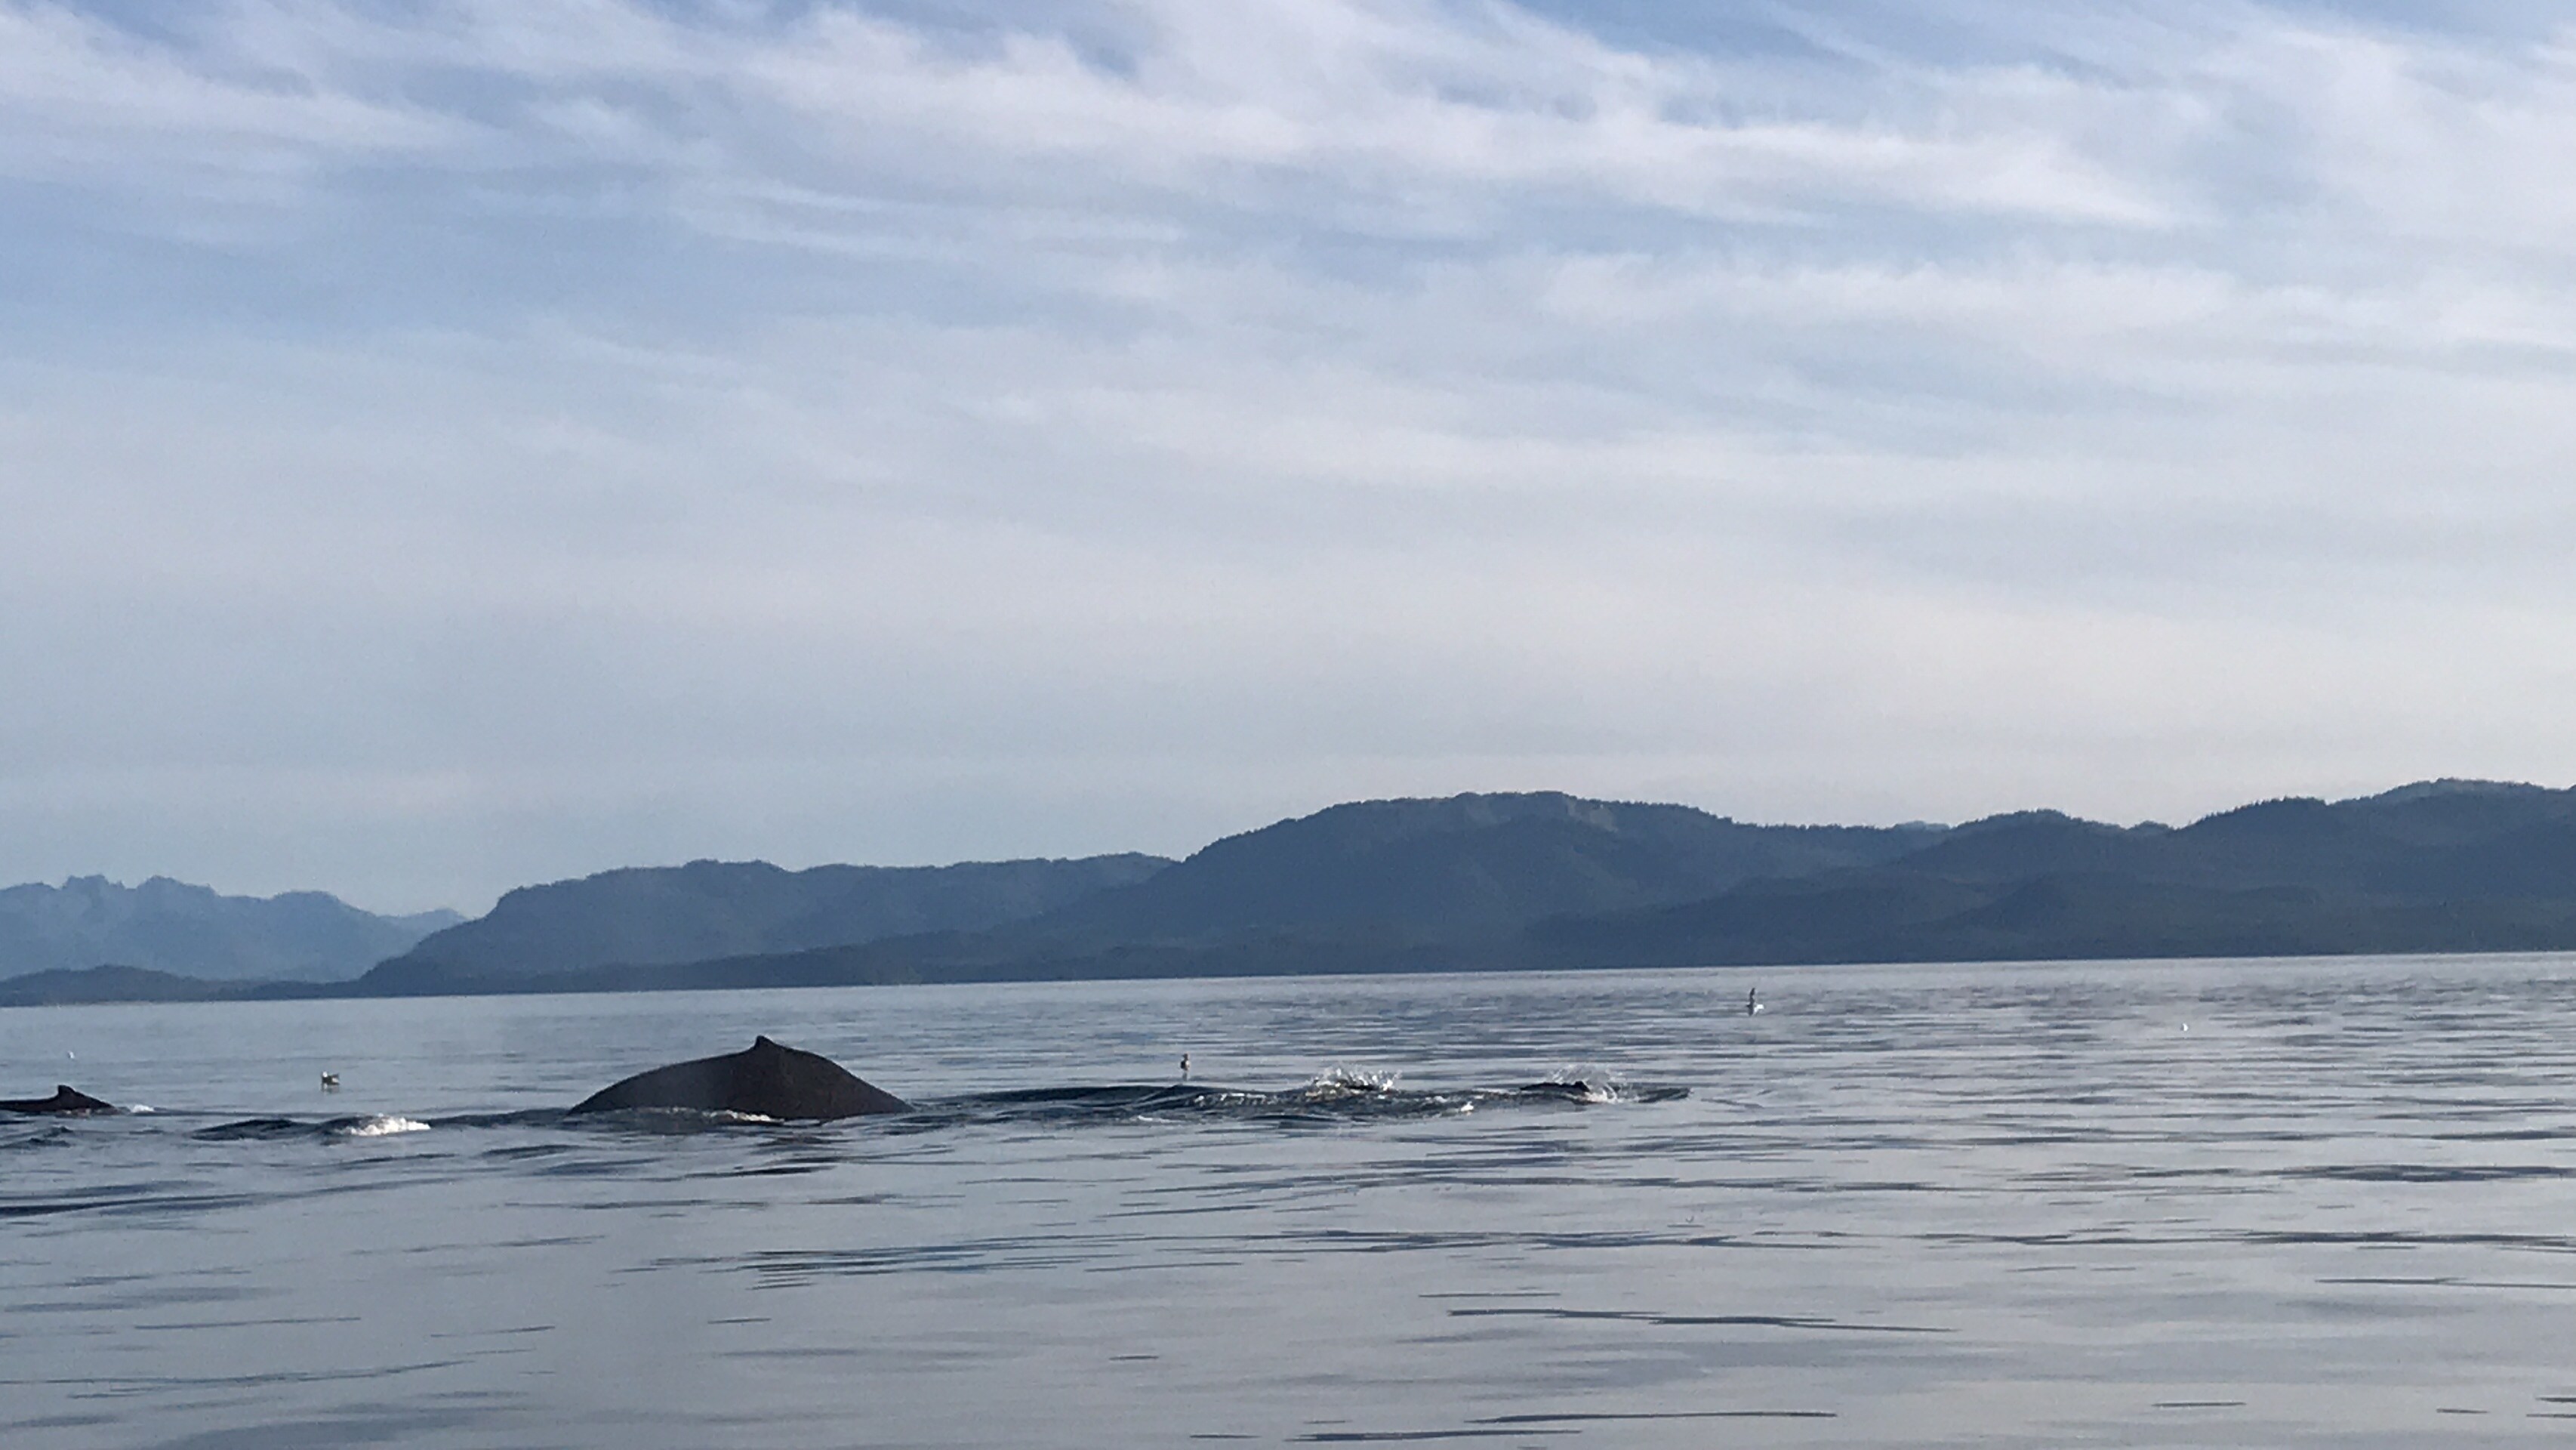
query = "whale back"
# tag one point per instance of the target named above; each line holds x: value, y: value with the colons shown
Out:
x: 765, y: 1078
x: 66, y: 1099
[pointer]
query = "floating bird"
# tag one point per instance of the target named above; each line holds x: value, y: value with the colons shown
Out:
x: 1185, y: 1067
x: 330, y: 1082
x: 1752, y: 1000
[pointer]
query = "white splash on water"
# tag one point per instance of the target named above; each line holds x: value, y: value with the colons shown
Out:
x: 1592, y: 1085
x: 1334, y: 1081
x: 381, y: 1127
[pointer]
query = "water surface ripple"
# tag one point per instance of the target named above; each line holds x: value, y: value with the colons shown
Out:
x: 2219, y: 1203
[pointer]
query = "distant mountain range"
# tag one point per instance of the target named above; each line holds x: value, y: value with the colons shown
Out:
x: 2443, y: 866
x: 168, y: 926
x: 1542, y: 880
x: 1375, y: 885
x: 653, y: 916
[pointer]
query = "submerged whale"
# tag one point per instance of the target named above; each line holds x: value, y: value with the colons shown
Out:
x: 66, y: 1099
x: 765, y: 1078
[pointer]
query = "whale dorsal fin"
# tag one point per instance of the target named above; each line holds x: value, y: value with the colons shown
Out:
x: 758, y: 1043
x: 64, y: 1090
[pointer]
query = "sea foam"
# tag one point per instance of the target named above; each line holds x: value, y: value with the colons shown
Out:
x: 381, y: 1127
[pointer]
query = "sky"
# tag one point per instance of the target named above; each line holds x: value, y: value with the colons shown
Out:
x: 449, y: 444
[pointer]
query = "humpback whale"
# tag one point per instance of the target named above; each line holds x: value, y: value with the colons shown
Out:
x: 767, y: 1079
x: 65, y: 1100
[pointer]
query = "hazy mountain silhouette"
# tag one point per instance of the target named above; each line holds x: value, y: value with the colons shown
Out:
x: 169, y: 926
x: 65, y: 986
x: 1392, y: 885
x: 2440, y: 866
x: 1548, y: 880
x: 1373, y: 881
x: 1467, y: 868
x: 646, y: 916
x: 1554, y: 881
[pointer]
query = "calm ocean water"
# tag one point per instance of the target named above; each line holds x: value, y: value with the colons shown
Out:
x: 2226, y: 1204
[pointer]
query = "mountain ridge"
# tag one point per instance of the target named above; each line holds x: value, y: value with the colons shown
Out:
x: 173, y: 927
x: 1549, y: 880
x: 656, y: 915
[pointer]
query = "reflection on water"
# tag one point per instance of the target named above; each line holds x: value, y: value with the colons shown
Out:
x: 2179, y: 1204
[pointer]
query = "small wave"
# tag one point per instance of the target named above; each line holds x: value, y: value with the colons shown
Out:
x: 1340, y: 1095
x: 1582, y: 1085
x: 1333, y: 1081
x: 521, y: 1118
x: 378, y: 1127
x: 275, y: 1129
x: 1595, y: 1090
x: 669, y: 1122
x: 1572, y: 1090
x: 254, y: 1129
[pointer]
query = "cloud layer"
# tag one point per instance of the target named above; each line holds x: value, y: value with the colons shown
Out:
x: 453, y: 443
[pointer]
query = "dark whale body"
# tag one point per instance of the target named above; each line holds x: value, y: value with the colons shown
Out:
x: 767, y: 1079
x: 64, y: 1100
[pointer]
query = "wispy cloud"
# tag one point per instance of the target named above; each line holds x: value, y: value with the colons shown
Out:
x: 1407, y: 106
x: 85, y: 104
x: 829, y: 430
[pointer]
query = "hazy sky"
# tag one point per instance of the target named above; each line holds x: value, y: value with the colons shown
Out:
x: 452, y: 443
